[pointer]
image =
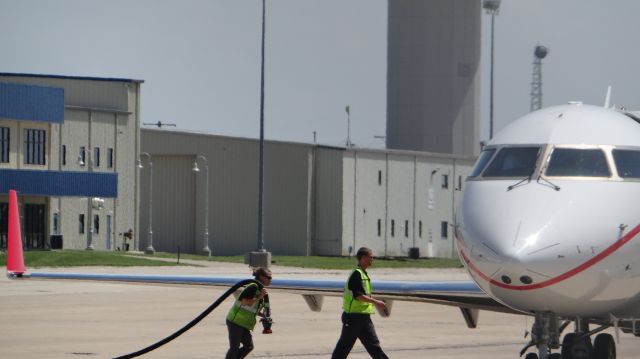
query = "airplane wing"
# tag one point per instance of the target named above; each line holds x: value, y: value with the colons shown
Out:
x: 463, y: 294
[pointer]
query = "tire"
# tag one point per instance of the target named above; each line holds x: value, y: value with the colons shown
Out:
x: 604, y: 347
x: 575, y: 347
x: 531, y: 356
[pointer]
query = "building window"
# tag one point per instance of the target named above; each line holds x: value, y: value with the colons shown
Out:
x: 459, y: 183
x: 96, y: 156
x: 110, y: 158
x: 379, y: 178
x: 420, y: 229
x: 96, y: 224
x: 34, y: 147
x: 406, y: 228
x: 81, y: 224
x: 64, y: 155
x: 379, y: 227
x: 444, y: 229
x: 82, y: 157
x: 445, y: 181
x: 4, y: 144
x: 393, y: 228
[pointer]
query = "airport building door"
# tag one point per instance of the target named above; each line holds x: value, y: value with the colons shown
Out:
x: 4, y: 224
x: 33, y: 230
x: 34, y: 225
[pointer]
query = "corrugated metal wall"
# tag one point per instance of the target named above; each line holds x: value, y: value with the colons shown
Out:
x: 318, y: 200
x: 395, y: 200
x: 173, y: 198
x: 327, y: 239
x: 83, y: 91
x: 233, y: 191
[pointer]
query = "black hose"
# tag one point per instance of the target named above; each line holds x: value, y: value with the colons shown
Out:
x: 195, y: 320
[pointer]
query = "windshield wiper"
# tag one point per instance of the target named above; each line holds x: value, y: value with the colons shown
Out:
x: 548, y: 183
x: 528, y: 179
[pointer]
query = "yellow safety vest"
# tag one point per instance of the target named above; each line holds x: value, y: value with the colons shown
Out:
x: 244, y: 315
x: 352, y: 305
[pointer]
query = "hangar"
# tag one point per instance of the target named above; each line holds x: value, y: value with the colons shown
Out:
x: 318, y: 200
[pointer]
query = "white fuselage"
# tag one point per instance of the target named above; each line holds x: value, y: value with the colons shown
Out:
x: 562, y: 238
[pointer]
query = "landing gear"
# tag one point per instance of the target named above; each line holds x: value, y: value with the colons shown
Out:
x: 576, y: 346
x: 604, y: 347
x: 545, y: 335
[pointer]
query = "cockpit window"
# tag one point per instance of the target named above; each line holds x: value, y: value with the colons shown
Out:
x: 627, y: 162
x: 513, y: 162
x: 483, y: 159
x: 577, y: 162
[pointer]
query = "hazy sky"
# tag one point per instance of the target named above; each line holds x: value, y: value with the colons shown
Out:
x: 200, y: 59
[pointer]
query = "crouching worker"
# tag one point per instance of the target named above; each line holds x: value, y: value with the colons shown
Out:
x: 242, y: 316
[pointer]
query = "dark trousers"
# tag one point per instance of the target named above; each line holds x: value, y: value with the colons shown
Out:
x: 238, y: 335
x: 358, y: 326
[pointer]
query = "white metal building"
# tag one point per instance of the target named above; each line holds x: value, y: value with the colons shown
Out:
x: 68, y: 146
x: 318, y: 200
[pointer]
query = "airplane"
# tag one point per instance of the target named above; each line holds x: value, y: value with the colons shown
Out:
x: 546, y: 227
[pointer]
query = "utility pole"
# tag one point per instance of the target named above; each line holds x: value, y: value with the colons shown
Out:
x: 493, y: 8
x: 261, y: 258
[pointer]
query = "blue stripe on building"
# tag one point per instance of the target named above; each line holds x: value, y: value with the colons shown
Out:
x: 31, y: 103
x: 59, y: 183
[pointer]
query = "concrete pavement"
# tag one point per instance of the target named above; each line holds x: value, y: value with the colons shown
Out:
x: 69, y: 319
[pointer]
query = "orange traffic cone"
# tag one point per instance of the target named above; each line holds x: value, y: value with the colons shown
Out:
x: 15, y: 259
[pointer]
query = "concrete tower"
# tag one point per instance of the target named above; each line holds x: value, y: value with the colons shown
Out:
x: 433, y: 76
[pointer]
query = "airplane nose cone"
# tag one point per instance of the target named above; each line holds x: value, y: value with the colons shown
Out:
x: 499, y: 234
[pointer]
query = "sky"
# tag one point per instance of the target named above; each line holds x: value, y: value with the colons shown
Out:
x: 200, y: 59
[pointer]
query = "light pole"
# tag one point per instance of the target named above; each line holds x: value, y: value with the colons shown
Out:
x: 82, y: 161
x: 149, y: 249
x: 261, y: 162
x: 205, y: 244
x: 348, y: 143
x: 493, y: 8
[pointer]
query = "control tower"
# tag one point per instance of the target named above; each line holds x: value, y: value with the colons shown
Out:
x: 433, y: 76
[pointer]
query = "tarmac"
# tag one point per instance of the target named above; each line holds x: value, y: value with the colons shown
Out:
x: 73, y: 319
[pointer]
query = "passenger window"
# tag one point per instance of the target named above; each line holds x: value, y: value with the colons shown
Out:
x: 578, y: 162
x: 627, y: 162
x: 483, y: 159
x: 513, y: 162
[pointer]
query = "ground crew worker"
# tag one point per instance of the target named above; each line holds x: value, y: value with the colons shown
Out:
x: 242, y: 315
x: 357, y: 304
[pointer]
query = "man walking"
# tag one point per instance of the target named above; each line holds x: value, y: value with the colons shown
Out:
x: 357, y: 304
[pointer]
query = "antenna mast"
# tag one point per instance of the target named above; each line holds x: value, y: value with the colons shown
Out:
x: 539, y: 53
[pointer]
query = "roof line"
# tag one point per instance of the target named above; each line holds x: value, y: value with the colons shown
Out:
x: 114, y: 79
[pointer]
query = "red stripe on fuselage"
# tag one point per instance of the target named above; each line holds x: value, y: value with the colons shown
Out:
x: 595, y: 259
